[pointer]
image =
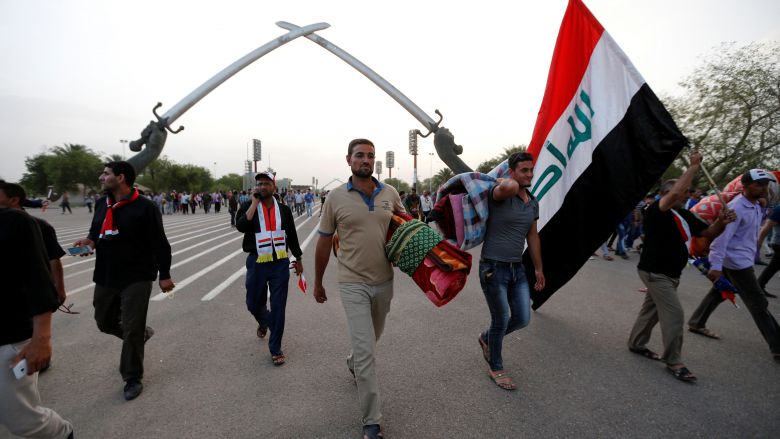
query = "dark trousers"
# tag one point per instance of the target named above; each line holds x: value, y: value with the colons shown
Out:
x: 771, y: 269
x: 232, y: 213
x: 261, y: 278
x: 755, y: 301
x: 122, y: 312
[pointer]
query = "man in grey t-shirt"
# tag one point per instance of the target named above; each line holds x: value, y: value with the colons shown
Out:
x: 513, y: 212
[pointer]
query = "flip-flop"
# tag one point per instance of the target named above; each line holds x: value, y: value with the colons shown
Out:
x: 502, y: 380
x: 704, y: 331
x: 682, y: 374
x: 647, y: 353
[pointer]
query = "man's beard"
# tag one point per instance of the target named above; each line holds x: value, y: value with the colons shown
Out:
x: 362, y: 173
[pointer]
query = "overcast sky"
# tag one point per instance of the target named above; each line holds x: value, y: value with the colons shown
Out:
x: 89, y: 72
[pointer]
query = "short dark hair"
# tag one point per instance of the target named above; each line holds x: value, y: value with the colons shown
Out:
x: 358, y: 142
x: 123, y: 168
x: 13, y: 190
x: 518, y: 157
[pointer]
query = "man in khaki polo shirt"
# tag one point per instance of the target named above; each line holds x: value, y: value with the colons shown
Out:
x: 360, y: 212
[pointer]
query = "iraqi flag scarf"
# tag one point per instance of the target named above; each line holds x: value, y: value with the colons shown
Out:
x: 601, y: 141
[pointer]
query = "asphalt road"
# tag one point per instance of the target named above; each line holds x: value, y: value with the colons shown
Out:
x: 208, y: 375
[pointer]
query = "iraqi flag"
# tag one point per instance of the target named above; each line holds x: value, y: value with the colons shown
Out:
x: 602, y: 140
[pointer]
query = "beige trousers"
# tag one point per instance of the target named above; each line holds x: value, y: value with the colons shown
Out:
x: 366, y: 307
x: 20, y: 403
x: 661, y: 305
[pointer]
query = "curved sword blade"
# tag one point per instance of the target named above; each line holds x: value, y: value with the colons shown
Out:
x: 191, y: 99
x: 399, y: 97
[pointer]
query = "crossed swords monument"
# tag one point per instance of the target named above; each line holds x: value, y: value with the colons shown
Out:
x: 155, y: 134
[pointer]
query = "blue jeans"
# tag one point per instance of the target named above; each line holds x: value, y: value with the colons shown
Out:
x: 508, y: 298
x: 621, y: 244
x: 309, y: 207
x: 261, y: 278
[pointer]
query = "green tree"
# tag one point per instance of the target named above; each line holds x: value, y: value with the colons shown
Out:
x: 64, y: 167
x: 229, y: 182
x: 399, y: 185
x: 730, y: 109
x: 441, y: 177
x: 488, y: 165
x: 35, y: 180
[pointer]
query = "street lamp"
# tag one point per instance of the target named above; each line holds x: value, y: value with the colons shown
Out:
x: 215, y: 171
x: 123, y: 142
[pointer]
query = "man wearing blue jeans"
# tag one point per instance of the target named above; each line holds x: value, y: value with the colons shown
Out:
x: 513, y: 212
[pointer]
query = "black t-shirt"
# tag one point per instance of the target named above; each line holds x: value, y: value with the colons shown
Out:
x: 27, y: 286
x: 53, y: 248
x: 664, y: 249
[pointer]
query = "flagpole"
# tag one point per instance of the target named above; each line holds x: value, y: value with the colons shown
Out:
x: 712, y: 184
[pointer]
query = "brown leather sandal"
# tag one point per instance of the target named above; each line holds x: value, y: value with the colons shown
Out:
x: 502, y: 380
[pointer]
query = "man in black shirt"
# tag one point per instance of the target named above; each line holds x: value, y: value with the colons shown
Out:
x: 14, y: 197
x: 27, y: 301
x: 269, y: 231
x: 668, y: 227
x: 131, y: 245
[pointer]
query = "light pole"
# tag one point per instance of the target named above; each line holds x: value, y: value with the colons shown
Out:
x: 215, y: 171
x: 123, y: 142
x: 430, y: 171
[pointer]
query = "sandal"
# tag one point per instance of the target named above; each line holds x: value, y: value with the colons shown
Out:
x: 647, y: 353
x: 502, y: 380
x: 278, y: 359
x: 485, y: 349
x: 262, y: 331
x: 373, y: 431
x: 704, y: 331
x: 682, y: 374
x: 608, y: 258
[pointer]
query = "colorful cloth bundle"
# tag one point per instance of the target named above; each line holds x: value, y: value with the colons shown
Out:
x: 436, y: 266
x: 466, y: 214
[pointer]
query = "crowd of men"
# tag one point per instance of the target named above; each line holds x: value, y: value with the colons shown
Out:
x: 133, y: 252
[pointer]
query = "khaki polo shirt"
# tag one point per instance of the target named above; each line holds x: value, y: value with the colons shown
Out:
x: 361, y: 222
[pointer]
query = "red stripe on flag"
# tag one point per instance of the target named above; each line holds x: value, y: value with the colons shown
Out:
x: 579, y: 33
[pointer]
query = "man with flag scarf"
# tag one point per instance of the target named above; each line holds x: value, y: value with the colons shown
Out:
x: 668, y: 228
x: 269, y: 231
x: 128, y: 235
x: 733, y: 255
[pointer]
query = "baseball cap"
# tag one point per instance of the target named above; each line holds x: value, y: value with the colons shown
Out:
x: 757, y: 175
x: 265, y: 174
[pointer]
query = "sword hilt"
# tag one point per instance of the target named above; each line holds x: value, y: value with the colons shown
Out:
x: 435, y: 126
x: 137, y: 145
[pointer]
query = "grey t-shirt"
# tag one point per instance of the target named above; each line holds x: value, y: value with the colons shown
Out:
x: 507, y: 226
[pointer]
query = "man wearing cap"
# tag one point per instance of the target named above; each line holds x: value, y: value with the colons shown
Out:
x: 732, y: 254
x: 269, y: 232
x: 360, y: 211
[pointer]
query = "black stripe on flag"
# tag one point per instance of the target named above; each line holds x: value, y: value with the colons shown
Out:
x: 626, y: 164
